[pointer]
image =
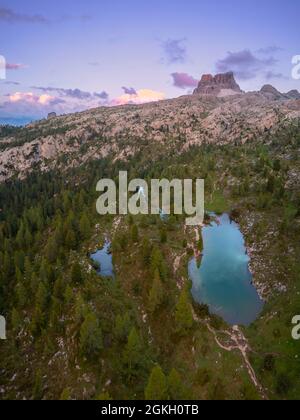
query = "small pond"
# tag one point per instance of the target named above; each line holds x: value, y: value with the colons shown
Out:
x: 223, y: 280
x: 103, y: 259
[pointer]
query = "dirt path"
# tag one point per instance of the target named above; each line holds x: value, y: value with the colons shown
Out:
x: 238, y: 342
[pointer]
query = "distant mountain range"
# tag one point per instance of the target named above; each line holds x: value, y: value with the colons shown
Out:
x: 17, y: 122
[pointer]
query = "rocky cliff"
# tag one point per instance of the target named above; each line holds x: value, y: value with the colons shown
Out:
x: 219, y: 85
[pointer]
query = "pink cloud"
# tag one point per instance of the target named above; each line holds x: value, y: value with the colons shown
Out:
x: 13, y: 66
x: 141, y: 96
x: 29, y: 97
x: 28, y: 103
x: 184, y: 80
x: 39, y: 104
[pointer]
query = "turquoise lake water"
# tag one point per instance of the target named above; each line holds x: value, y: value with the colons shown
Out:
x: 104, y: 258
x: 223, y: 280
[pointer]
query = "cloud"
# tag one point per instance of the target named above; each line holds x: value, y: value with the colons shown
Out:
x: 65, y: 101
x: 61, y: 101
x: 272, y: 75
x: 244, y: 64
x: 174, y: 51
x: 73, y: 93
x: 29, y: 97
x: 13, y: 66
x: 27, y: 103
x: 12, y: 83
x: 10, y: 16
x: 129, y: 91
x: 184, y: 80
x: 272, y: 49
x: 102, y: 95
x: 142, y: 96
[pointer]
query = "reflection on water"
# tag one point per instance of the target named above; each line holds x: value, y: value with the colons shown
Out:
x: 223, y: 280
x: 103, y: 258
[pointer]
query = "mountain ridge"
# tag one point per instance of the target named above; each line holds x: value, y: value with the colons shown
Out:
x: 121, y: 132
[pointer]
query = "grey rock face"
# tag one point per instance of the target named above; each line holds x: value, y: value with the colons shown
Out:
x: 51, y: 115
x: 213, y: 85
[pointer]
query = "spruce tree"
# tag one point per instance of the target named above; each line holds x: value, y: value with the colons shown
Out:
x: 70, y: 241
x: 146, y: 251
x: 37, y: 391
x: 84, y: 227
x: 156, y: 389
x: 175, y: 387
x: 91, y: 342
x: 183, y: 315
x: 15, y: 320
x: 156, y: 295
x: 76, y: 274
x: 52, y: 250
x: 65, y: 395
x: 132, y: 355
x: 122, y: 327
x: 134, y: 234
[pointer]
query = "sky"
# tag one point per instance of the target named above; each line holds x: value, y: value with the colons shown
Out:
x: 67, y: 56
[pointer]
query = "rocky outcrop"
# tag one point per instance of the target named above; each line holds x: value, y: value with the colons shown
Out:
x: 271, y: 93
x: 219, y: 85
x: 51, y: 115
x: 293, y: 94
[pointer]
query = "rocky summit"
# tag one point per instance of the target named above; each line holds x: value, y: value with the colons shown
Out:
x: 220, y: 85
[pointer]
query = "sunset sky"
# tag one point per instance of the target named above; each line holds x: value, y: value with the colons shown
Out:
x: 68, y: 55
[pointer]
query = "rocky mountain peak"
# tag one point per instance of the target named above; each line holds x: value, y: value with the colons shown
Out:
x: 271, y: 90
x: 223, y: 84
x: 293, y: 94
x: 272, y: 93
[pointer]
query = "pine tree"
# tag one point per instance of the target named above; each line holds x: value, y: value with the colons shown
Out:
x: 84, y: 227
x: 37, y: 391
x: 39, y: 317
x: 65, y: 395
x: 184, y: 316
x: 146, y: 251
x: 15, y: 319
x: 20, y: 239
x: 163, y: 235
x: 122, y: 327
x: 104, y: 397
x: 91, y: 342
x: 76, y: 274
x: 158, y: 263
x: 41, y: 296
x: 156, y: 389
x: 52, y: 250
x: 80, y: 308
x: 71, y: 241
x: 68, y: 295
x: 134, y: 234
x: 156, y: 295
x: 132, y: 354
x: 175, y: 387
x: 21, y: 295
